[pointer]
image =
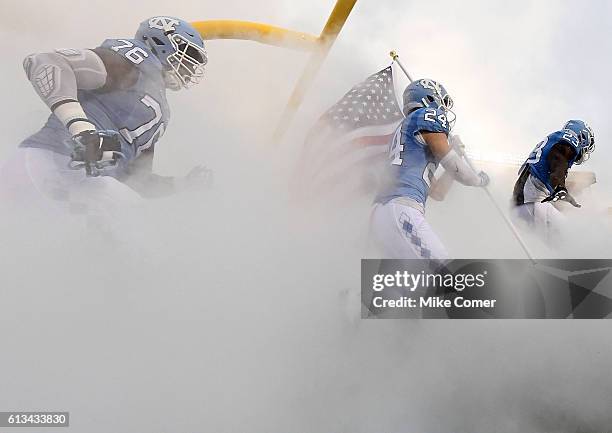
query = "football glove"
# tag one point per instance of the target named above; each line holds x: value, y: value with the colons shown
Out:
x: 561, y: 193
x: 95, y: 150
x: 484, y: 178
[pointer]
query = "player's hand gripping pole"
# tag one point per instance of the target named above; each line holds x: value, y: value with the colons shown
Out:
x: 513, y: 229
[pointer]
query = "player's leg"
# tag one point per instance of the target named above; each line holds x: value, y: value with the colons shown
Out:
x: 40, y: 181
x: 543, y: 218
x: 522, y: 215
x: 402, y: 232
x: 549, y: 222
x: 12, y: 178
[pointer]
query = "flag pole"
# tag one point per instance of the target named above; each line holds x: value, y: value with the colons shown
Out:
x: 395, y: 58
x: 511, y: 226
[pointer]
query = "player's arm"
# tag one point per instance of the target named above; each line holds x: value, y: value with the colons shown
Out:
x: 58, y: 75
x: 56, y: 78
x: 559, y: 159
x: 140, y: 177
x: 454, y: 164
x: 441, y: 186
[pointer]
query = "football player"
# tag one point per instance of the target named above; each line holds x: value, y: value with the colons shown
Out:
x: 542, y: 177
x: 420, y: 144
x: 109, y: 109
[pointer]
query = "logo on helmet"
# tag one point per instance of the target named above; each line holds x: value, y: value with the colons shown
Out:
x: 164, y: 23
x: 432, y: 85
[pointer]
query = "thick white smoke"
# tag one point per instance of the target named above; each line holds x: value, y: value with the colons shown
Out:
x: 236, y: 309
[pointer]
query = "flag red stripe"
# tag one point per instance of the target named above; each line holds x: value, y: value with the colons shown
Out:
x: 378, y: 140
x: 348, y: 147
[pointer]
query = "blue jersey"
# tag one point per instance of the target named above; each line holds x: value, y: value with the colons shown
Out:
x: 538, y: 159
x: 411, y: 163
x: 140, y: 113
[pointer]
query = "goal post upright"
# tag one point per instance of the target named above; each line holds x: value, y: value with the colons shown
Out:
x: 317, y: 46
x: 335, y: 22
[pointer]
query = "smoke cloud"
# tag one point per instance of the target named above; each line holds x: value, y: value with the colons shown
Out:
x: 236, y: 309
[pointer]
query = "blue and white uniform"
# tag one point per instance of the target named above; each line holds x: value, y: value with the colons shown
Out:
x: 38, y: 175
x: 109, y: 109
x: 398, y: 219
x: 534, y: 183
x: 412, y: 164
x: 398, y: 224
x: 139, y: 113
x: 539, y: 168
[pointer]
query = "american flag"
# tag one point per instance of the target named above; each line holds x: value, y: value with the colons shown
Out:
x: 346, y: 147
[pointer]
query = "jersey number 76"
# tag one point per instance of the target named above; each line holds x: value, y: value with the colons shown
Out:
x: 134, y: 54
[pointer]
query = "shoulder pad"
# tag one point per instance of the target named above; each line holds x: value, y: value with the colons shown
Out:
x: 430, y: 120
x: 564, y: 137
x: 134, y: 51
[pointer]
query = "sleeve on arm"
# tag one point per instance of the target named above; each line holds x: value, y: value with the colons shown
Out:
x: 88, y: 68
x: 58, y: 76
x: 140, y: 178
x: 460, y: 170
x: 559, y: 159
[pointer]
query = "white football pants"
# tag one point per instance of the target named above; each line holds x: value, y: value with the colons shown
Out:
x: 39, y: 180
x: 401, y: 232
x: 544, y: 218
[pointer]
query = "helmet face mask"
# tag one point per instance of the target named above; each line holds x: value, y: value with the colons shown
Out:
x: 188, y: 60
x: 585, y: 137
x: 448, y: 102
